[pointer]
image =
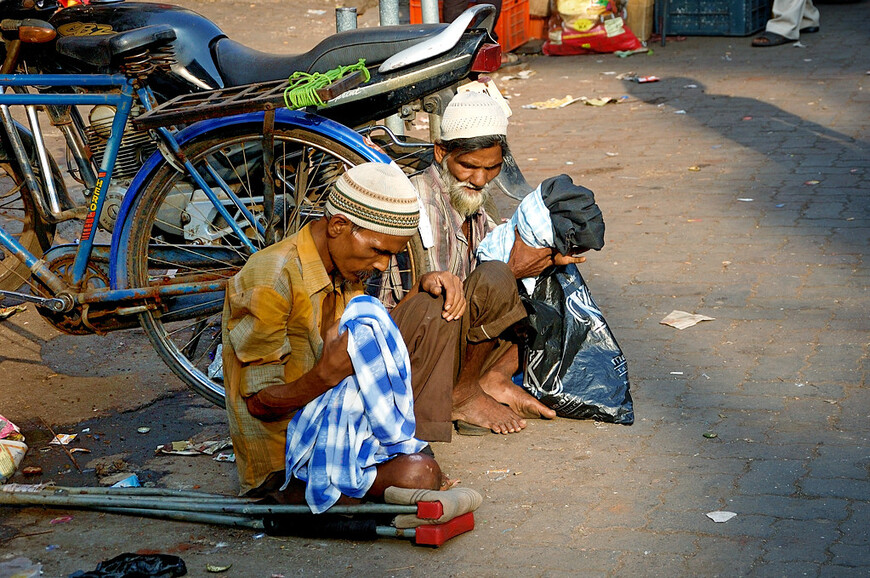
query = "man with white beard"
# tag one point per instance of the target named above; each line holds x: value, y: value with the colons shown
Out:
x: 453, y: 190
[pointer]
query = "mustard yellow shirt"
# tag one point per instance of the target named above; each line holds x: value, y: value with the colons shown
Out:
x: 271, y: 335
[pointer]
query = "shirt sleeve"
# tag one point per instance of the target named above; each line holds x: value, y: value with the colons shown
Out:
x: 258, y: 333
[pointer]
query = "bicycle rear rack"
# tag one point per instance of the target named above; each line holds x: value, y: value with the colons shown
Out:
x: 257, y: 97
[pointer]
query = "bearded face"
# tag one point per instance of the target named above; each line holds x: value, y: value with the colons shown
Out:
x: 465, y: 197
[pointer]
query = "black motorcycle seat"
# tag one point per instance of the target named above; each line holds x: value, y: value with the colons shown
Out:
x: 100, y: 51
x: 240, y: 65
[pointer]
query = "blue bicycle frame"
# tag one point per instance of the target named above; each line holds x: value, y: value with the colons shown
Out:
x: 120, y: 93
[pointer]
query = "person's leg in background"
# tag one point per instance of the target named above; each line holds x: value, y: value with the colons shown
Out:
x: 792, y: 16
x: 790, y: 19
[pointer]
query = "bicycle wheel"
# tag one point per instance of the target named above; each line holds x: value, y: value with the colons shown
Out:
x: 177, y: 236
x: 19, y: 218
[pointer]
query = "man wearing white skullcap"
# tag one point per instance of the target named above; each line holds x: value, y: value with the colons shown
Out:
x: 281, y: 347
x: 454, y: 190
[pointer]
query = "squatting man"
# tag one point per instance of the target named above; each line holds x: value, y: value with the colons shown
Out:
x: 454, y: 190
x: 282, y: 348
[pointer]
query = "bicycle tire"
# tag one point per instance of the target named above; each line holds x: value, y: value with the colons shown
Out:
x: 188, y: 344
x: 19, y: 217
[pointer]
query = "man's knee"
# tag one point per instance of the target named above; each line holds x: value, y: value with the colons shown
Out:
x: 417, y: 471
x: 421, y: 315
x: 421, y: 471
x: 492, y: 273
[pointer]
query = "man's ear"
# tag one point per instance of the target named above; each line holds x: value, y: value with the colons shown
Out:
x: 440, y: 152
x: 337, y: 225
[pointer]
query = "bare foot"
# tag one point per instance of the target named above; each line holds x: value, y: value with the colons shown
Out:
x: 484, y: 411
x: 505, y: 391
x: 447, y: 483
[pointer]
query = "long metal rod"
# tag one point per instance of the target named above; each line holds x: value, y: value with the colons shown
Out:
x: 63, y: 80
x: 42, y: 158
x: 245, y: 509
x: 104, y: 177
x: 221, y: 520
x: 169, y: 492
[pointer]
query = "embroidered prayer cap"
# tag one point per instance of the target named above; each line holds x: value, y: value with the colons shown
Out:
x: 472, y: 114
x: 378, y: 197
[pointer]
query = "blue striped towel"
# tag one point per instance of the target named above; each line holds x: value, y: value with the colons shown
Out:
x: 336, y: 440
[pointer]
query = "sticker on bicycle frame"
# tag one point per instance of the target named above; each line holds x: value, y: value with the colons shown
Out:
x: 85, y: 29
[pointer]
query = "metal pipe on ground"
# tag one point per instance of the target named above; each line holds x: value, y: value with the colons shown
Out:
x: 227, y: 506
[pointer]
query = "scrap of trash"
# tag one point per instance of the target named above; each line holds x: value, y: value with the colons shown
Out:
x: 721, y: 516
x: 189, y: 448
x: 7, y: 312
x: 568, y: 100
x: 683, y: 319
x: 634, y: 77
x: 12, y: 448
x: 521, y: 75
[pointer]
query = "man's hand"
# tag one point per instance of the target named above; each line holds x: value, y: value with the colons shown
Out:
x: 443, y: 283
x: 526, y: 261
x: 334, y: 364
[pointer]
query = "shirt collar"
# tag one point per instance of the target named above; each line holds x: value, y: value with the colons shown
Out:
x: 315, y: 276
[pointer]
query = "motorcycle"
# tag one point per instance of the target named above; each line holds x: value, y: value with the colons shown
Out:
x: 151, y: 203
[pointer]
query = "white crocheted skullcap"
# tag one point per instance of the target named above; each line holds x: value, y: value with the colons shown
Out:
x: 378, y: 197
x: 471, y: 114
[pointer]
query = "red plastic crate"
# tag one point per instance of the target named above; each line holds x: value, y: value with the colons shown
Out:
x: 537, y: 27
x: 510, y: 28
x: 512, y: 23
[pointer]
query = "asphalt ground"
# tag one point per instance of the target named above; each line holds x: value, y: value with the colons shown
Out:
x: 735, y: 187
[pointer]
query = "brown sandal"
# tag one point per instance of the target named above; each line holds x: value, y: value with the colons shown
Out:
x: 769, y: 39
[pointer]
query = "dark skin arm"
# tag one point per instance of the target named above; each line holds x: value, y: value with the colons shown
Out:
x: 437, y: 283
x: 278, y: 401
x: 528, y: 261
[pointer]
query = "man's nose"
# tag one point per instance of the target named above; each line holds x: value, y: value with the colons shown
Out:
x: 479, y: 179
x: 382, y: 263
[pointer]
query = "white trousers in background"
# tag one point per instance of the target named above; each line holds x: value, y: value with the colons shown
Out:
x: 789, y: 16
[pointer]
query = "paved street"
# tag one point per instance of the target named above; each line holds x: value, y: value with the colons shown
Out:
x: 737, y: 187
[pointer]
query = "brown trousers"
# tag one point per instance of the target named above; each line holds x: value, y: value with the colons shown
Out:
x: 437, y: 347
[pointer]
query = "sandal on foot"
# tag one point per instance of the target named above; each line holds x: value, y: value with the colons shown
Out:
x: 810, y: 30
x: 769, y: 39
x: 464, y: 428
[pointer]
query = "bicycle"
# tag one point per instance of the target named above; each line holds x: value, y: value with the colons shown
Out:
x: 212, y: 193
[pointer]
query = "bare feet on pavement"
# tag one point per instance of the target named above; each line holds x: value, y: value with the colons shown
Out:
x: 505, y: 391
x: 483, y: 410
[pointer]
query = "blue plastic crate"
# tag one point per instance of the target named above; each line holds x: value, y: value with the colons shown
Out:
x: 714, y: 17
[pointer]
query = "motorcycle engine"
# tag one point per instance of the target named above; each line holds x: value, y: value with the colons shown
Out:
x: 136, y: 147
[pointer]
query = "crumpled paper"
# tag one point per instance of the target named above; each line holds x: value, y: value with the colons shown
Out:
x: 563, y: 102
x: 682, y: 319
x: 720, y: 516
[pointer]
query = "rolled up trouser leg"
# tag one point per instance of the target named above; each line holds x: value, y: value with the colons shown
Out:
x: 433, y: 346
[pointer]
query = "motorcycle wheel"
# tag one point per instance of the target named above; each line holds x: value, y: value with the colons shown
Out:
x: 19, y: 218
x: 167, y: 214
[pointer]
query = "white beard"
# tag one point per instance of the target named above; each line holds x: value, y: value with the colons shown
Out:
x: 465, y: 202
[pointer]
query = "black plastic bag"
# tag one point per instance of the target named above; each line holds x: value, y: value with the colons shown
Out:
x: 573, y: 363
x: 137, y: 566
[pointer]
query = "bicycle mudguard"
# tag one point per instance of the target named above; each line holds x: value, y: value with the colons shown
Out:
x: 284, y: 119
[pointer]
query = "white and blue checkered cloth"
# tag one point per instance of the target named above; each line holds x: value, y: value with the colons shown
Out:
x: 336, y: 440
x: 532, y: 220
